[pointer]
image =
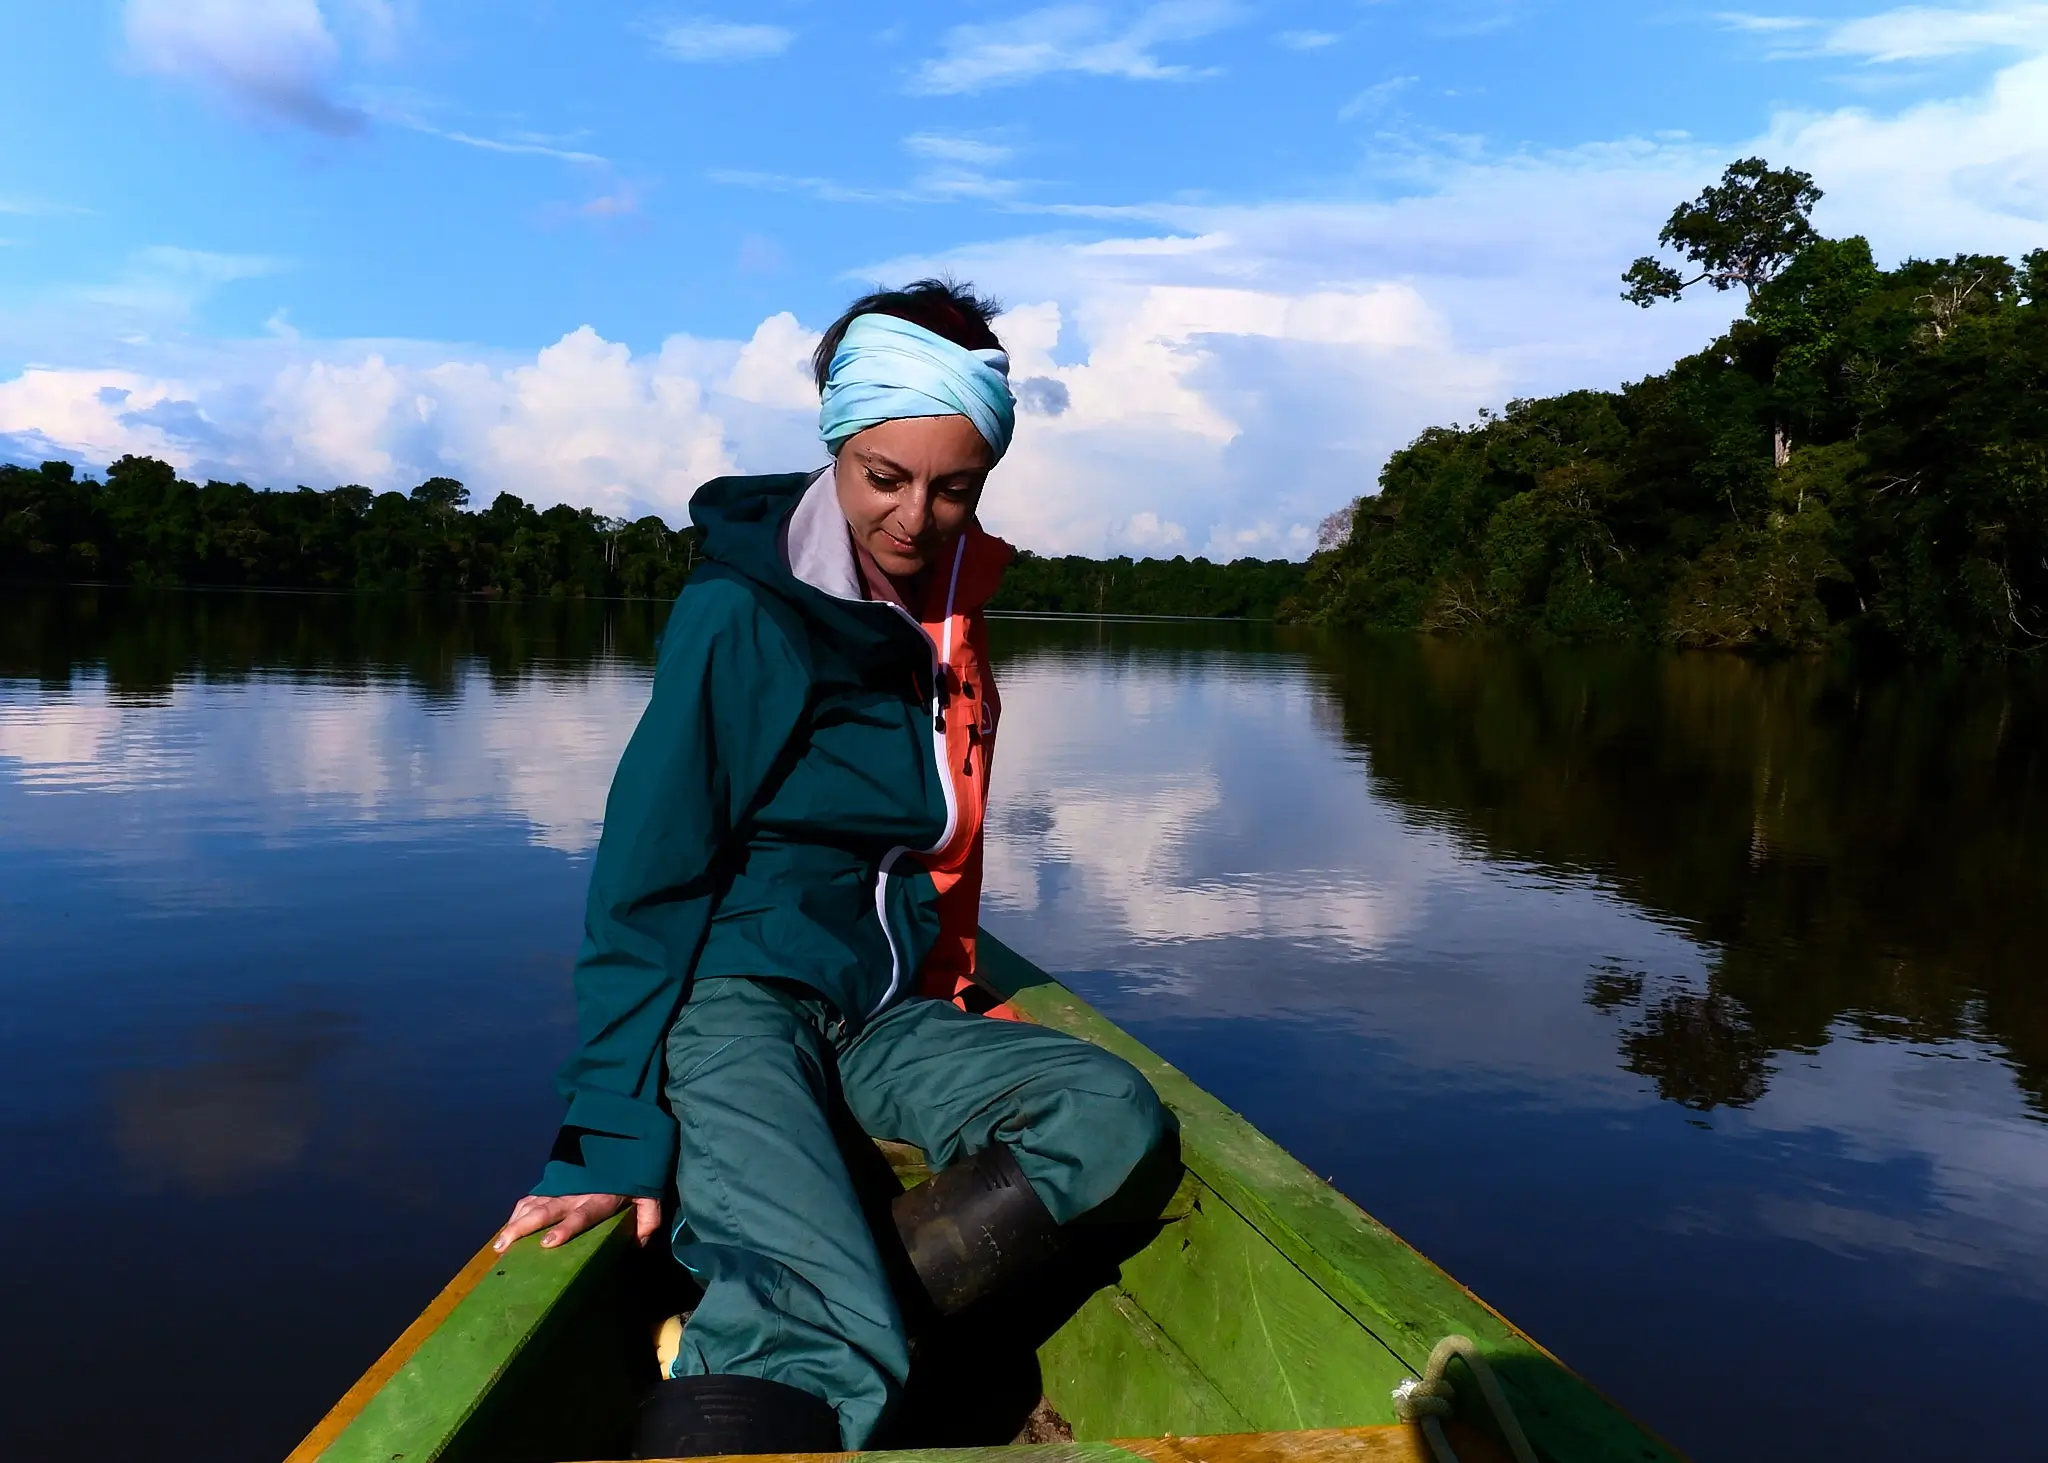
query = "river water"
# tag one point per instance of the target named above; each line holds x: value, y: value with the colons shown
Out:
x: 1691, y: 1011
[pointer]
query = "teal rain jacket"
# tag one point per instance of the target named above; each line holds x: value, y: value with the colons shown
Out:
x: 759, y: 818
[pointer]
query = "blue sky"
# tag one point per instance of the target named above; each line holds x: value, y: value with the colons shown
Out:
x: 578, y: 251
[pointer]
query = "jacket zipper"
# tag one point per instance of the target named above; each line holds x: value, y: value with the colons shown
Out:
x: 942, y: 669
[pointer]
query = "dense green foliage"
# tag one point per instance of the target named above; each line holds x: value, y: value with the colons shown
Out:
x: 1862, y: 456
x: 1243, y: 589
x: 144, y: 525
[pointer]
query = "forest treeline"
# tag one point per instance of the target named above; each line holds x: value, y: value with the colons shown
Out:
x: 144, y: 525
x: 1861, y: 458
x: 1247, y: 589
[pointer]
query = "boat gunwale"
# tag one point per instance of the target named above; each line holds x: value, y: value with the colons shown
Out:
x: 395, y: 1356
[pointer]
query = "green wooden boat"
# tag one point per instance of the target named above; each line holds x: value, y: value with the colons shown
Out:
x: 1263, y: 1319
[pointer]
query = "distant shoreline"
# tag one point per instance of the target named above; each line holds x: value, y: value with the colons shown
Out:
x: 143, y: 526
x: 485, y: 597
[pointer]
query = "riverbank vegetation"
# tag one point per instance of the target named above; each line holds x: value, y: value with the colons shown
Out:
x: 1861, y: 458
x: 1243, y: 589
x: 145, y: 526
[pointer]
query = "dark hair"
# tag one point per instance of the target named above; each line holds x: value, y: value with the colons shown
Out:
x: 943, y: 306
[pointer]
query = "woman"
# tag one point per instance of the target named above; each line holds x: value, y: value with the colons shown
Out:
x: 783, y: 905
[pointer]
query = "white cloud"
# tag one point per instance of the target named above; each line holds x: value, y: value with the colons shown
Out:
x: 1765, y: 24
x: 946, y: 148
x: 278, y: 60
x: 1922, y: 33
x: 1906, y: 33
x: 35, y: 207
x: 417, y: 113
x: 332, y: 420
x: 92, y: 415
x: 774, y: 367
x: 517, y: 147
x: 825, y: 190
x: 945, y: 183
x: 1149, y: 531
x: 716, y: 40
x: 270, y: 58
x: 1083, y: 39
x: 584, y: 421
x: 375, y: 25
x: 1307, y: 40
x: 958, y: 168
x: 165, y: 281
x: 1374, y: 99
x: 1968, y: 173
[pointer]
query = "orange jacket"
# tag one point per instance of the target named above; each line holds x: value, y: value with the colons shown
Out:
x: 951, y: 615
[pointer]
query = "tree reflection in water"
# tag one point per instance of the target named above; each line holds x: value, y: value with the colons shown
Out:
x: 1866, y: 849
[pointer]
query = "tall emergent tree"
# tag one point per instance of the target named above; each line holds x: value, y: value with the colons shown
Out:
x: 1740, y: 231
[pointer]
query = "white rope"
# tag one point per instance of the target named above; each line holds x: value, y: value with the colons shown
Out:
x: 1430, y: 1398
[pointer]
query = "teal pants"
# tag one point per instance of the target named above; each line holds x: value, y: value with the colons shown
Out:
x: 770, y: 1223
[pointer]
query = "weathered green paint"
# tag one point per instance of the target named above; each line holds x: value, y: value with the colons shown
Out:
x: 1380, y: 1284
x: 1268, y: 1301
x: 1274, y: 1343
x: 1112, y: 1372
x: 519, y: 1338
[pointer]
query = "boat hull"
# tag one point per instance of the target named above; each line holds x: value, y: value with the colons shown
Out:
x: 1264, y: 1318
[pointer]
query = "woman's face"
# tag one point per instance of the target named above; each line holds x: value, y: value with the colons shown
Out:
x: 908, y: 488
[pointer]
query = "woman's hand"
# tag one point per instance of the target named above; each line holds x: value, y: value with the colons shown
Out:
x: 571, y: 1214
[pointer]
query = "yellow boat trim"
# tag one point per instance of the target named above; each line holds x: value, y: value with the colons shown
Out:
x: 396, y: 1355
x: 1400, y: 1443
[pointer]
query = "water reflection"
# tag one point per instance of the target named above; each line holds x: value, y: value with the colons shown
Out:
x: 1700, y: 1048
x: 1192, y: 822
x: 1169, y: 803
x: 1864, y: 854
x: 143, y: 644
x: 232, y: 1104
x: 284, y: 755
x: 1687, y: 999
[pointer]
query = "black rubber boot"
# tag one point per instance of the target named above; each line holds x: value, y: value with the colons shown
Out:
x: 973, y: 1228
x: 696, y: 1417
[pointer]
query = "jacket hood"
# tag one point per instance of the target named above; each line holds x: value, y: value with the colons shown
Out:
x: 745, y: 523
x: 785, y: 533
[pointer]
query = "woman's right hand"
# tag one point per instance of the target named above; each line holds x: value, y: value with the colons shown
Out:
x: 571, y: 1214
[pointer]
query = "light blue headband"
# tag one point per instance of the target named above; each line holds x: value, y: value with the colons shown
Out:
x: 887, y: 368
